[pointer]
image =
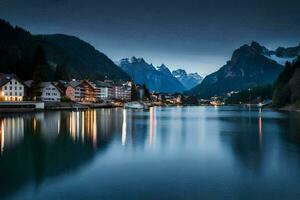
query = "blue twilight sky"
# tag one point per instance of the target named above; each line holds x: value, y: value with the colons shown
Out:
x: 192, y: 34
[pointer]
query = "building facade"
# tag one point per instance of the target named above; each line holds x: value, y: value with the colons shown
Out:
x: 104, y: 90
x: 11, y: 88
x: 81, y: 91
x: 49, y: 92
x: 122, y: 92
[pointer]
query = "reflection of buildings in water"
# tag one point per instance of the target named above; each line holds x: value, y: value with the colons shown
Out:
x: 11, y: 132
x: 83, y: 126
x: 124, y: 128
x: 260, y: 131
x: 152, y: 126
x: 48, y: 124
x: 138, y: 128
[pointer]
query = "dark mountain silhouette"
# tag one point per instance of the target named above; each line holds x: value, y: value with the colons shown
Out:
x: 81, y: 60
x: 248, y: 67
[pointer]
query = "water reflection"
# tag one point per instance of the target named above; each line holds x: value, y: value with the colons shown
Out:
x: 217, y: 144
x: 11, y: 132
x: 83, y: 126
x: 124, y: 127
x: 152, y: 126
x: 260, y: 130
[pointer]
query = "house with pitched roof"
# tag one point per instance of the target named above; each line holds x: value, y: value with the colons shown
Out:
x: 11, y: 88
x: 80, y: 91
x: 48, y: 91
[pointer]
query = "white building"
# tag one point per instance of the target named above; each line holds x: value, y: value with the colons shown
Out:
x: 48, y: 91
x: 11, y: 88
x: 105, y: 90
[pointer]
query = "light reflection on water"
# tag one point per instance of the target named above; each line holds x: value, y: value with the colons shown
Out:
x: 178, y: 152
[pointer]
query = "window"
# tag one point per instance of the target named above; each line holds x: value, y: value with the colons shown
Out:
x: 16, y: 94
x: 10, y: 93
x: 10, y: 82
x: 5, y: 87
x: 16, y: 88
x: 20, y: 87
x: 16, y: 82
x: 20, y: 94
x: 10, y: 88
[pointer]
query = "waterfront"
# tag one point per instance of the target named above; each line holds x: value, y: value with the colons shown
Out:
x: 163, y: 153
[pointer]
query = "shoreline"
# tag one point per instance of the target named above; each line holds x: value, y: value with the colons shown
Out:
x: 71, y: 106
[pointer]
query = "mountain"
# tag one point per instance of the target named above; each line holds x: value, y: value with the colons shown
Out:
x: 158, y: 79
x: 282, y: 55
x: 89, y: 61
x: 248, y: 67
x: 80, y: 59
x: 287, y: 86
x: 188, y: 80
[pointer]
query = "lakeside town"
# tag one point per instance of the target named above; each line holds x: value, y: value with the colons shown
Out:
x: 16, y: 93
x: 19, y: 95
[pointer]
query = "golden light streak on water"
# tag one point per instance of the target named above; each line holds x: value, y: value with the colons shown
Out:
x: 2, y: 137
x: 94, y: 131
x: 152, y: 126
x: 34, y: 124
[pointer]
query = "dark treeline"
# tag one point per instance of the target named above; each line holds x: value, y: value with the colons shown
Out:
x: 62, y: 53
x: 254, y: 95
x: 287, y: 86
x: 23, y: 55
x: 285, y: 91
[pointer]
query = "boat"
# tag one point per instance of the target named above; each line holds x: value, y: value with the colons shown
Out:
x: 135, y: 105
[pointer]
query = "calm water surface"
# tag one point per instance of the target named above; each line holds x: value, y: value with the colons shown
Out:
x: 164, y: 153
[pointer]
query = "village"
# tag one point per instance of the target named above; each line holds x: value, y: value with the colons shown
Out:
x: 77, y: 94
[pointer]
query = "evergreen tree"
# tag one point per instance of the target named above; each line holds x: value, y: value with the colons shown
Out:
x: 134, y: 93
x: 39, y: 73
x: 146, y: 91
x: 61, y: 73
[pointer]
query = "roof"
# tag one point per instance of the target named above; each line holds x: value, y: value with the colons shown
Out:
x: 43, y: 84
x: 102, y: 84
x: 28, y: 83
x: 74, y: 83
x: 5, y: 78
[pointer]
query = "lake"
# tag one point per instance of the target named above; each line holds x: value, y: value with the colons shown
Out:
x: 163, y: 153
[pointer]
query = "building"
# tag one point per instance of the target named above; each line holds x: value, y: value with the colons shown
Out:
x: 122, y: 92
x: 62, y: 86
x: 81, y: 91
x: 48, y: 91
x: 104, y: 90
x: 11, y: 88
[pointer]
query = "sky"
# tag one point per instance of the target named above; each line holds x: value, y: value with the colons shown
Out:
x: 195, y: 35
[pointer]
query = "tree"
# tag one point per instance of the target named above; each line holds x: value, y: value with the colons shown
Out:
x: 61, y: 73
x: 134, y: 93
x: 146, y: 91
x: 286, y: 88
x: 39, y: 71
